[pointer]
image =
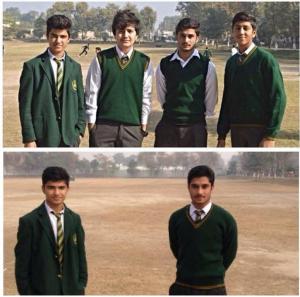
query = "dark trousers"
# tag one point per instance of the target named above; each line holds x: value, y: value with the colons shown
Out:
x: 177, y: 289
x: 113, y: 134
x: 246, y: 136
x: 168, y: 134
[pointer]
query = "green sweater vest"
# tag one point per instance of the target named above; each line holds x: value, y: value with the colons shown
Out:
x: 253, y: 94
x: 121, y: 94
x: 185, y: 90
x: 205, y: 250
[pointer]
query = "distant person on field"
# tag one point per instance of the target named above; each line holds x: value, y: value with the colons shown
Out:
x: 85, y: 49
x: 207, y: 53
x: 118, y: 89
x: 98, y: 50
x: 187, y: 90
x: 254, y: 99
x: 203, y: 239
x: 50, y: 250
x: 51, y: 96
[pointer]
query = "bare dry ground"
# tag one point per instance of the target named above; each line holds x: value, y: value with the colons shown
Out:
x: 16, y: 52
x: 125, y: 221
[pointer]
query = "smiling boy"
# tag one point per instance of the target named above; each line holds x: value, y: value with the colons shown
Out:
x: 51, y: 96
x: 118, y: 89
x: 187, y: 89
x: 203, y: 239
x: 50, y: 252
x: 254, y: 99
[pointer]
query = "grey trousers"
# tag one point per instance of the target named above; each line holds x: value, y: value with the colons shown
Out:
x: 171, y: 135
x: 113, y: 134
x: 246, y: 136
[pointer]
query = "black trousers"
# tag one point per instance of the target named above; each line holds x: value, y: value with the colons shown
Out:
x: 246, y: 136
x: 177, y: 289
x: 168, y: 134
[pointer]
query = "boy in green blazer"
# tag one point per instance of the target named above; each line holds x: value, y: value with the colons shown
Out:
x: 254, y: 99
x: 51, y: 96
x: 50, y: 250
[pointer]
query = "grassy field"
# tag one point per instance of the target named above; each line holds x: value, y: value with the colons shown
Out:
x: 16, y: 52
x: 126, y: 221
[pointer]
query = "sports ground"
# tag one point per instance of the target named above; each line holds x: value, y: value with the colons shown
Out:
x: 126, y: 221
x: 16, y: 52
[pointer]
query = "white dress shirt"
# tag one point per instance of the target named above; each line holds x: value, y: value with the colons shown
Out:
x: 93, y: 86
x: 205, y: 209
x: 248, y: 50
x: 54, y: 64
x: 53, y: 218
x: 211, y: 83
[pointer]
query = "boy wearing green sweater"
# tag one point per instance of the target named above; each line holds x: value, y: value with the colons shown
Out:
x: 254, y: 99
x: 203, y: 239
x: 118, y: 89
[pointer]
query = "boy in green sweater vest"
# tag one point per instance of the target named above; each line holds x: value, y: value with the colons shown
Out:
x: 203, y: 239
x: 118, y: 89
x: 187, y: 89
x: 254, y: 99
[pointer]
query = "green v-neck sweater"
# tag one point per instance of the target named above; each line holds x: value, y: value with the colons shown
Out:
x: 121, y: 94
x: 253, y: 94
x: 204, y: 251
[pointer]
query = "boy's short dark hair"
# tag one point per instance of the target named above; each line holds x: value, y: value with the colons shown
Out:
x: 243, y: 16
x: 59, y: 21
x: 188, y: 23
x: 200, y: 171
x: 124, y: 18
x: 55, y: 174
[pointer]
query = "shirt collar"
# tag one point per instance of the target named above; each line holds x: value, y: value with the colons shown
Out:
x: 50, y: 210
x: 177, y: 57
x: 121, y: 54
x: 206, y: 208
x: 52, y: 56
x: 248, y: 50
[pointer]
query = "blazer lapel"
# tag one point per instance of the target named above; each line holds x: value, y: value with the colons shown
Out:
x: 68, y: 68
x: 46, y: 65
x: 68, y: 224
x: 46, y: 224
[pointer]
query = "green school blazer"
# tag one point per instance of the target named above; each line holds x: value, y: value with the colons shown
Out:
x: 45, y: 118
x: 37, y: 268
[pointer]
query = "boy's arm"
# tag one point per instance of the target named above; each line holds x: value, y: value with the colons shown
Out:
x: 23, y: 258
x: 230, y: 244
x: 211, y: 90
x: 276, y: 96
x: 83, y: 273
x: 147, y: 93
x: 173, y: 237
x: 92, y: 87
x: 25, y: 104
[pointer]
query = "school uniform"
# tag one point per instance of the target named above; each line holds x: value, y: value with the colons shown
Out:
x: 254, y: 99
x: 204, y: 247
x: 37, y: 268
x: 48, y: 118
x: 118, y: 97
x: 187, y: 91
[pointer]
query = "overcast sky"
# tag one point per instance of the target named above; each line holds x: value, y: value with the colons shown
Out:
x: 162, y: 8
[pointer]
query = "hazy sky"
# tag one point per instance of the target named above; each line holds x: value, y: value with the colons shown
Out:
x: 162, y: 8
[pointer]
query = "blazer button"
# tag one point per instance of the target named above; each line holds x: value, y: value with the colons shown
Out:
x: 59, y: 276
x: 55, y: 98
x: 59, y: 118
x: 55, y: 256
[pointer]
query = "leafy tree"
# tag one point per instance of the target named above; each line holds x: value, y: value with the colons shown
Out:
x: 65, y: 8
x: 39, y: 27
x: 148, y: 19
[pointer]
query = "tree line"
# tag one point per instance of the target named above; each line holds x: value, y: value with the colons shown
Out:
x: 153, y: 164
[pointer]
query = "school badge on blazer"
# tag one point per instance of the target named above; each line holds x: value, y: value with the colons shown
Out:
x: 74, y: 237
x: 74, y: 85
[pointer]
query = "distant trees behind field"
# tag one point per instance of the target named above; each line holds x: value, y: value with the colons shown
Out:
x: 153, y: 164
x: 278, y: 22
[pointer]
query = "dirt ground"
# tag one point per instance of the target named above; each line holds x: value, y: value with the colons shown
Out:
x: 125, y: 221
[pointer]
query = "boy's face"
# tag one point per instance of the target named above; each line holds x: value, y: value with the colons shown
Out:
x: 126, y: 38
x: 200, y: 190
x: 58, y: 40
x: 243, y: 34
x: 186, y: 40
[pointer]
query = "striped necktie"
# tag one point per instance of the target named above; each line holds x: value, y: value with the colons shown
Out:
x: 124, y: 60
x: 242, y: 58
x: 198, y: 213
x: 59, y: 239
x: 59, y: 76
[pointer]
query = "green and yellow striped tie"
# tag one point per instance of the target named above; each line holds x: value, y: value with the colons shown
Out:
x: 59, y: 240
x: 59, y: 76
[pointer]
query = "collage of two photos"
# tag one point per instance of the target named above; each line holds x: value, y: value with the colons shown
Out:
x: 83, y: 80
